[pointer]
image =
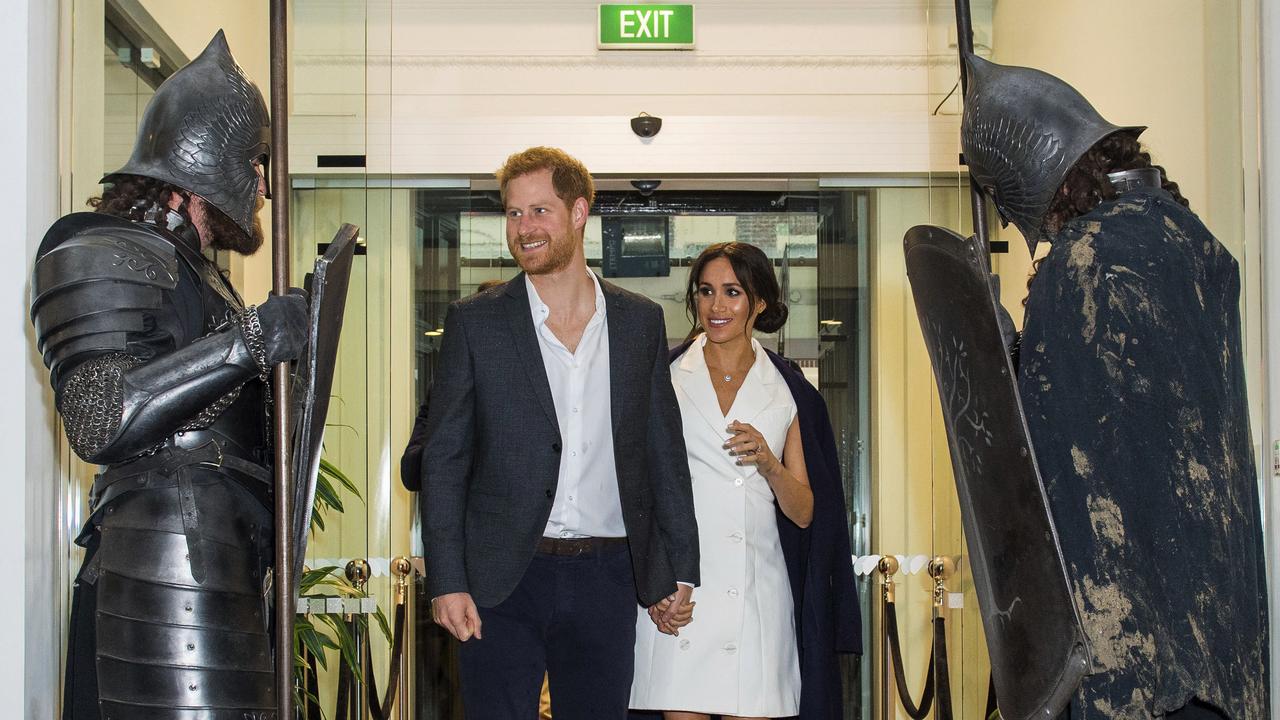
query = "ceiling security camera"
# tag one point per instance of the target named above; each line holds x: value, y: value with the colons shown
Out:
x: 646, y: 187
x: 646, y: 125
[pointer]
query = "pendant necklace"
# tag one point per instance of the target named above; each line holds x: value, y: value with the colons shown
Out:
x: 728, y: 377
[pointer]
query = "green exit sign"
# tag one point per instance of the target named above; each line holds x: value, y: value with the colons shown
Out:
x: 646, y: 26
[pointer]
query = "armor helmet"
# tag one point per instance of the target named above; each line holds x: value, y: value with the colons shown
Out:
x: 202, y: 131
x: 1023, y: 130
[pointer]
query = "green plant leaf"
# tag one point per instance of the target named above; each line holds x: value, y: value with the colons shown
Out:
x: 332, y: 470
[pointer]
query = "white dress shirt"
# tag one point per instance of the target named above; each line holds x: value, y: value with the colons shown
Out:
x: 587, y: 503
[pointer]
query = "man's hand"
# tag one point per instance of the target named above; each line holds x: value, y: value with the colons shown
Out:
x: 674, y: 611
x: 456, y: 612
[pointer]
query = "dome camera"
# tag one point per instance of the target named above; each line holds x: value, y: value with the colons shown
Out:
x: 646, y: 125
x: 645, y: 187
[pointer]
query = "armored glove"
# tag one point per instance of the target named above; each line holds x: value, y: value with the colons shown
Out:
x: 276, y: 330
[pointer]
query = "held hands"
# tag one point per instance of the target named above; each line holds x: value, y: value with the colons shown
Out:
x: 674, y: 611
x: 749, y: 447
x: 456, y: 612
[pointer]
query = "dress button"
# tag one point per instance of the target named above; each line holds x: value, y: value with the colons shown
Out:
x: 730, y: 648
x: 737, y: 482
x: 736, y: 537
x: 684, y: 644
x: 733, y: 592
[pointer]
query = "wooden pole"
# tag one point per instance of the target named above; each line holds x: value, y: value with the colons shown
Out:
x: 283, y: 572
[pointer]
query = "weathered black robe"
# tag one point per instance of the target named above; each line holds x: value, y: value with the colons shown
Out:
x: 1133, y: 383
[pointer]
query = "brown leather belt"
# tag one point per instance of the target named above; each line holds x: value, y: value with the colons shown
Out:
x: 577, y: 546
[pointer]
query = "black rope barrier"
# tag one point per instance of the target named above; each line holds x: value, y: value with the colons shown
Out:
x: 917, y: 711
x: 382, y: 711
x: 936, y: 695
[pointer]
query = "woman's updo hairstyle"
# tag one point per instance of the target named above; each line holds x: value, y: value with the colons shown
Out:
x: 755, y: 274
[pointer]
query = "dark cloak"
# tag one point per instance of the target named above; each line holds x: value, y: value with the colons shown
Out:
x: 1132, y: 379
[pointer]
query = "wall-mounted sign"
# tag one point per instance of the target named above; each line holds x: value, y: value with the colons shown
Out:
x: 645, y: 26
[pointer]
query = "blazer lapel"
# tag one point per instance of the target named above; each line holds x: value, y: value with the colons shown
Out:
x: 521, y: 322
x: 619, y: 325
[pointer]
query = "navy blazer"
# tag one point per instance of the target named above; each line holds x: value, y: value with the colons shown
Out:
x: 493, y: 448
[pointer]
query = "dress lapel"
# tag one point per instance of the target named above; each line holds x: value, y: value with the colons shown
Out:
x: 757, y: 392
x: 521, y: 322
x: 695, y: 383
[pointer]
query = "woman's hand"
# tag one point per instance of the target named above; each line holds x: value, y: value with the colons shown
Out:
x: 681, y: 617
x: 790, y: 480
x: 749, y: 447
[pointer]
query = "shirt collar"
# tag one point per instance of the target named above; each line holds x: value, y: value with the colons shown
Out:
x: 539, y: 309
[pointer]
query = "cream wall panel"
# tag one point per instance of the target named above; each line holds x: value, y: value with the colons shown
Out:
x: 824, y: 87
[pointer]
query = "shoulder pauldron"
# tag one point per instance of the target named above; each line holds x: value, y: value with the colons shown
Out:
x: 94, y: 281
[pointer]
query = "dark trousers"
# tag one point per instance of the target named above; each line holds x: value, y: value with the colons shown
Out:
x: 573, y: 618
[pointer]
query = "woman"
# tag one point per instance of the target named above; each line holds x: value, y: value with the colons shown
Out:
x: 748, y: 452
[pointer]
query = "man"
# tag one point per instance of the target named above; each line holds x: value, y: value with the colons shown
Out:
x: 1132, y: 380
x: 556, y: 490
x: 158, y: 370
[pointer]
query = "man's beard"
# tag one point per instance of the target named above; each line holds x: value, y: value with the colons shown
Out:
x: 226, y: 235
x: 558, y: 255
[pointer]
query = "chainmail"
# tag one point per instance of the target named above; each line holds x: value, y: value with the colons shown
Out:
x: 92, y: 402
x: 211, y: 413
x: 251, y: 328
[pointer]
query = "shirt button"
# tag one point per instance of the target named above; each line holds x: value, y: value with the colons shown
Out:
x: 737, y: 482
x: 573, y: 453
x: 575, y: 409
x: 555, y: 447
x: 730, y: 648
x: 570, y: 498
x: 736, y: 537
x: 733, y: 592
x: 684, y: 644
x: 551, y: 493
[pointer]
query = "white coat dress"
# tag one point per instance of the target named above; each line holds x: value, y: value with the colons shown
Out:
x: 738, y: 656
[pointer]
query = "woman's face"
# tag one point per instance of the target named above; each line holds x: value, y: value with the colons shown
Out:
x: 723, y: 308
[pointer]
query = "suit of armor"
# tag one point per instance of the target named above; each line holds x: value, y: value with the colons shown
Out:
x: 158, y: 369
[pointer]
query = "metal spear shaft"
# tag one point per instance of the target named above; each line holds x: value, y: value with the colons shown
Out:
x: 283, y: 573
x: 964, y: 41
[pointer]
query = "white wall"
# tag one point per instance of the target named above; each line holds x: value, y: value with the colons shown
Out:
x: 1270, y: 101
x: 29, y: 54
x: 451, y: 88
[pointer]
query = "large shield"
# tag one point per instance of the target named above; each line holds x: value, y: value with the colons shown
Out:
x: 1037, y: 646
x: 313, y: 379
